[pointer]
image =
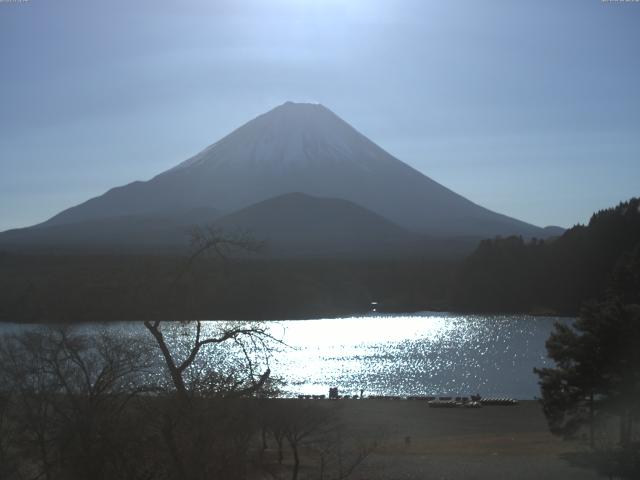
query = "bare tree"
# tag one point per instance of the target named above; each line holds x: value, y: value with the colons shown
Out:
x: 194, y: 433
x: 7, y: 438
x: 212, y: 241
x: 317, y: 438
x: 340, y: 455
x: 239, y: 333
x: 306, y: 423
x: 69, y: 402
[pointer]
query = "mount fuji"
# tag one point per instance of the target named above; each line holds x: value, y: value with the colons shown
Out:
x: 294, y: 148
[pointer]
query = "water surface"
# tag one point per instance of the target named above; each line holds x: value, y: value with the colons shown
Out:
x: 414, y: 354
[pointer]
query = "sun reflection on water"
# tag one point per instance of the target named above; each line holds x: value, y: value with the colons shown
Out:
x: 421, y: 354
x: 418, y: 354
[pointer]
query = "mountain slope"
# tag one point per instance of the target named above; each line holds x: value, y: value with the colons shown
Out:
x: 302, y: 148
x: 141, y: 232
x: 293, y: 225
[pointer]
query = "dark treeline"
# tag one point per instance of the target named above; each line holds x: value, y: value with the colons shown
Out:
x: 557, y: 276
x: 71, y: 288
x: 503, y: 275
x: 592, y: 389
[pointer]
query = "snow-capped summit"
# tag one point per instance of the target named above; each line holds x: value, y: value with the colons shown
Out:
x: 290, y: 134
x: 301, y: 147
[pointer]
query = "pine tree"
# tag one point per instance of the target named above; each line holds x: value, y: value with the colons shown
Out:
x: 597, y: 360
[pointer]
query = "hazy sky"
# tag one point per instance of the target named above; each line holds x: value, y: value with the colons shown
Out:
x: 529, y: 108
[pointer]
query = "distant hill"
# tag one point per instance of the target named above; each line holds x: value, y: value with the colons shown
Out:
x: 300, y: 225
x: 296, y: 224
x: 553, y: 231
x: 513, y: 275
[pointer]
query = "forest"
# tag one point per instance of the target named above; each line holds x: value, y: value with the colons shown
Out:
x: 554, y: 277
x: 72, y: 288
x: 503, y: 275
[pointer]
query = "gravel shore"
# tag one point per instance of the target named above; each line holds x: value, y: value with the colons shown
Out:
x: 418, y: 442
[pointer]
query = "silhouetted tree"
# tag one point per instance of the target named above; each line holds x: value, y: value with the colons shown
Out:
x: 68, y: 411
x: 597, y: 372
x: 597, y: 368
x: 204, y: 442
x: 211, y: 241
x: 340, y: 455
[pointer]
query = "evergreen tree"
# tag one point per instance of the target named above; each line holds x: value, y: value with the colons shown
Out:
x: 511, y: 275
x: 597, y: 360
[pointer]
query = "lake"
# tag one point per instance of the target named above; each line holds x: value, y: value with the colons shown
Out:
x: 424, y: 353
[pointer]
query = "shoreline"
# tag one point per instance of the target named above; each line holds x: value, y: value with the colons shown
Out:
x: 415, y: 442
x: 351, y: 316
